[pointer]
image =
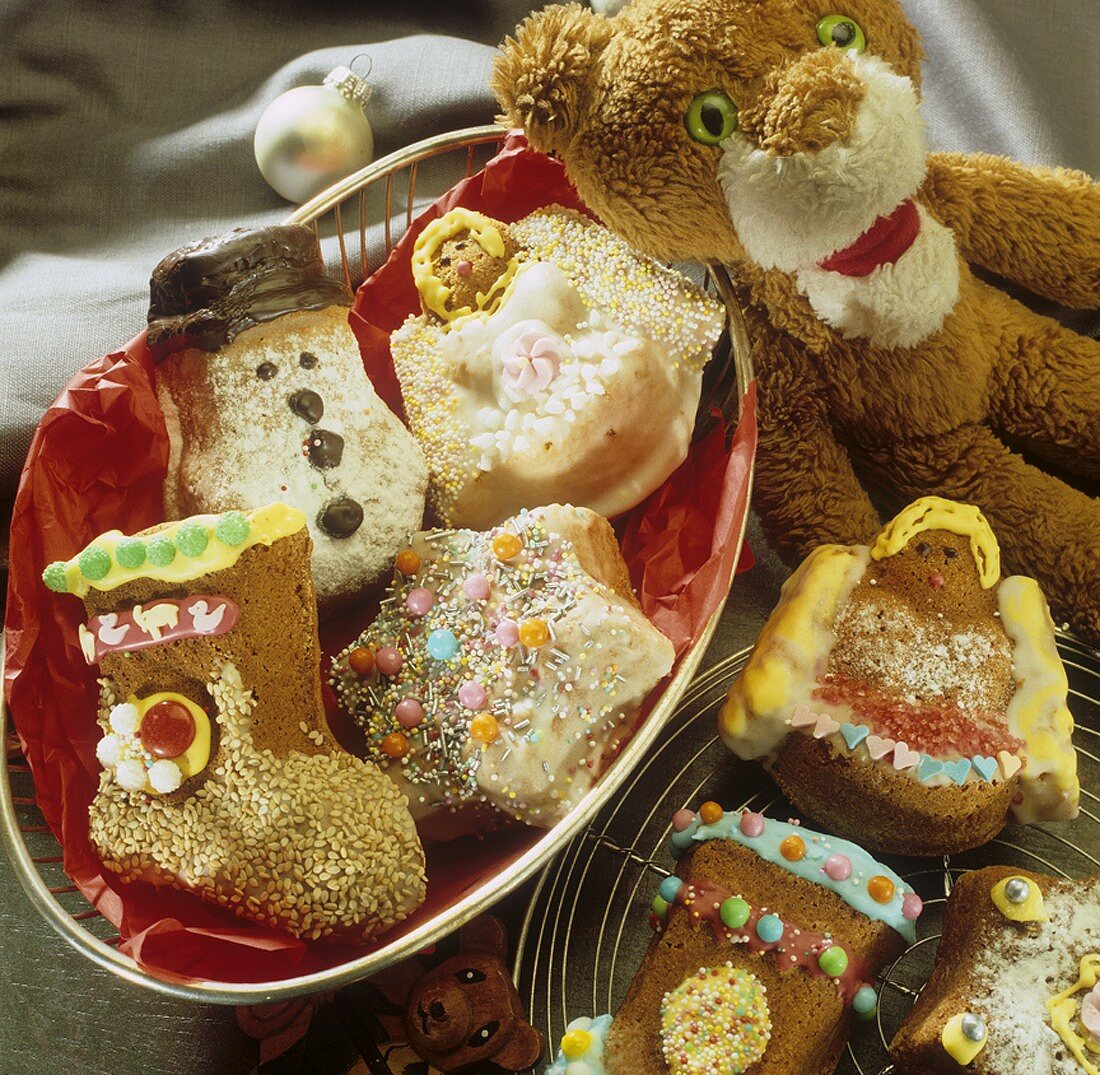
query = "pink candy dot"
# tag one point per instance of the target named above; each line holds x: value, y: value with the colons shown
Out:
x: 476, y: 587
x: 409, y: 712
x: 472, y: 695
x: 419, y: 601
x: 838, y: 867
x: 752, y: 824
x: 507, y: 633
x: 911, y: 906
x: 388, y: 661
x: 682, y: 819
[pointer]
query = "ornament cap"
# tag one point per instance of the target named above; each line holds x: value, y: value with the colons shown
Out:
x: 349, y: 84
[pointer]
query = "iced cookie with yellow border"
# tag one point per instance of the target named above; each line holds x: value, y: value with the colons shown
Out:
x: 907, y: 694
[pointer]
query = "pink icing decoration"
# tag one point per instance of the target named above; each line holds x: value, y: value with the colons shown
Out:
x: 531, y: 362
x: 388, y: 661
x: 1090, y: 1012
x: 472, y: 695
x: 682, y: 819
x: 752, y: 824
x: 476, y: 587
x: 911, y: 906
x: 419, y: 601
x: 409, y: 712
x: 838, y: 867
x: 507, y: 633
x: 464, y: 268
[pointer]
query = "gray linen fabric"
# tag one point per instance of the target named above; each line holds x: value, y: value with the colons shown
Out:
x: 126, y: 130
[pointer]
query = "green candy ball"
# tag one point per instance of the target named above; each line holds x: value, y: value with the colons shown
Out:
x: 659, y: 907
x: 232, y: 528
x: 56, y: 577
x: 192, y: 539
x: 130, y: 552
x: 833, y: 961
x: 94, y: 563
x: 161, y: 552
x: 735, y: 912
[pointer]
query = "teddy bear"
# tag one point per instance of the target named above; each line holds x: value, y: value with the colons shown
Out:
x: 783, y: 139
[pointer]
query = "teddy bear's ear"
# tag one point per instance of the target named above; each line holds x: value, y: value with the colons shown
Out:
x: 484, y: 936
x: 539, y: 75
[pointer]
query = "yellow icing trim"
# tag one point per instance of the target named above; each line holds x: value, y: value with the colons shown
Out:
x: 957, y: 1045
x: 197, y: 755
x: 1063, y: 1008
x: 784, y: 658
x: 935, y: 513
x: 265, y: 526
x: 1031, y: 910
x: 1037, y: 712
x: 434, y: 293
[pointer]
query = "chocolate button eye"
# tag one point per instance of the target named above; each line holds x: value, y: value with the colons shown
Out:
x: 266, y: 370
x: 341, y: 518
x: 325, y: 449
x: 307, y: 360
x: 307, y: 405
x: 950, y: 553
x: 923, y: 548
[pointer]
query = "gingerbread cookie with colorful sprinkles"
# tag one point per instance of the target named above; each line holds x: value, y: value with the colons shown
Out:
x: 551, y: 364
x: 504, y: 669
x: 219, y: 773
x: 906, y: 693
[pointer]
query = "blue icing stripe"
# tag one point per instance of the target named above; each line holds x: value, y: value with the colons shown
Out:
x: 853, y: 889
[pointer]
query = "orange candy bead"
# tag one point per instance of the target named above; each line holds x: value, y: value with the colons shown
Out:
x: 395, y: 745
x: 484, y: 728
x: 710, y: 812
x: 408, y: 563
x: 506, y: 546
x: 880, y: 889
x: 793, y: 848
x: 534, y: 633
x: 361, y: 661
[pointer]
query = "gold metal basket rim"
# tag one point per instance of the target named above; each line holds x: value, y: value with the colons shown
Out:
x: 72, y: 926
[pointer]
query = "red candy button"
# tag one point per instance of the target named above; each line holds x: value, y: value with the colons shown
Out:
x: 167, y: 729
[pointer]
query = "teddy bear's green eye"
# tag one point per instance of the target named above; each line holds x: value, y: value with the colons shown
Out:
x: 711, y: 116
x: 841, y: 31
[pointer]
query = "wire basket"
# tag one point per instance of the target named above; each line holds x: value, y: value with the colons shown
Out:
x: 585, y: 931
x: 358, y: 221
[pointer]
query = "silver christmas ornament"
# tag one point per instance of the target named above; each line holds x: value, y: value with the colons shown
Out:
x: 973, y: 1027
x: 1017, y: 890
x: 312, y: 136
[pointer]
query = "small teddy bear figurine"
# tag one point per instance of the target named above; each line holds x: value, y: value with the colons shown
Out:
x: 465, y: 1013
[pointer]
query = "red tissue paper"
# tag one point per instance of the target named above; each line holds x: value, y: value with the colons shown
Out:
x: 98, y: 461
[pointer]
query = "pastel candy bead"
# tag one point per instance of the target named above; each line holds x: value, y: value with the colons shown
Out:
x: 507, y: 634
x: 476, y: 587
x: 833, y: 961
x: 734, y: 912
x: 838, y: 867
x: 409, y: 712
x: 710, y: 813
x: 682, y: 819
x: 659, y: 906
x: 865, y: 1002
x: 442, y: 644
x: 388, y: 661
x: 472, y: 695
x: 911, y: 906
x: 769, y: 928
x: 419, y: 601
x: 752, y: 824
x: 669, y: 889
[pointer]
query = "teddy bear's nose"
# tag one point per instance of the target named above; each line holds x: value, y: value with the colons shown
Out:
x: 806, y: 106
x: 437, y: 1011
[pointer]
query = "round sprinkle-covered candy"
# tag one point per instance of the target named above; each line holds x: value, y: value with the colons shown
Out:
x: 534, y: 633
x: 419, y: 601
x: 575, y: 1044
x: 865, y: 1002
x: 94, y: 563
x: 130, y: 553
x: 472, y: 695
x: 734, y: 912
x: 442, y: 644
x: 710, y: 813
x: 124, y: 718
x: 409, y: 712
x: 388, y: 660
x: 911, y: 906
x: 506, y: 546
x: 160, y: 551
x: 361, y: 661
x: 833, y: 961
x: 669, y: 889
x: 1017, y: 890
x: 793, y: 848
x: 752, y: 824
x: 880, y: 889
x: 838, y: 867
x: 232, y: 528
x: 130, y: 775
x: 973, y: 1027
x: 407, y: 561
x: 395, y: 745
x: 192, y: 539
x: 56, y: 577
x: 484, y: 728
x: 769, y: 928
x: 165, y: 776
x: 167, y: 729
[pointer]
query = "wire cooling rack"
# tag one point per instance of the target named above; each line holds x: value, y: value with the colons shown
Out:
x: 586, y: 927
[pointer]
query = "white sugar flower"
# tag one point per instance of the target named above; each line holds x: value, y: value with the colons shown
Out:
x: 130, y: 775
x: 109, y: 750
x: 124, y: 719
x: 165, y: 776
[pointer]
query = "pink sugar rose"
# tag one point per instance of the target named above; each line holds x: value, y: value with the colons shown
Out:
x: 531, y: 362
